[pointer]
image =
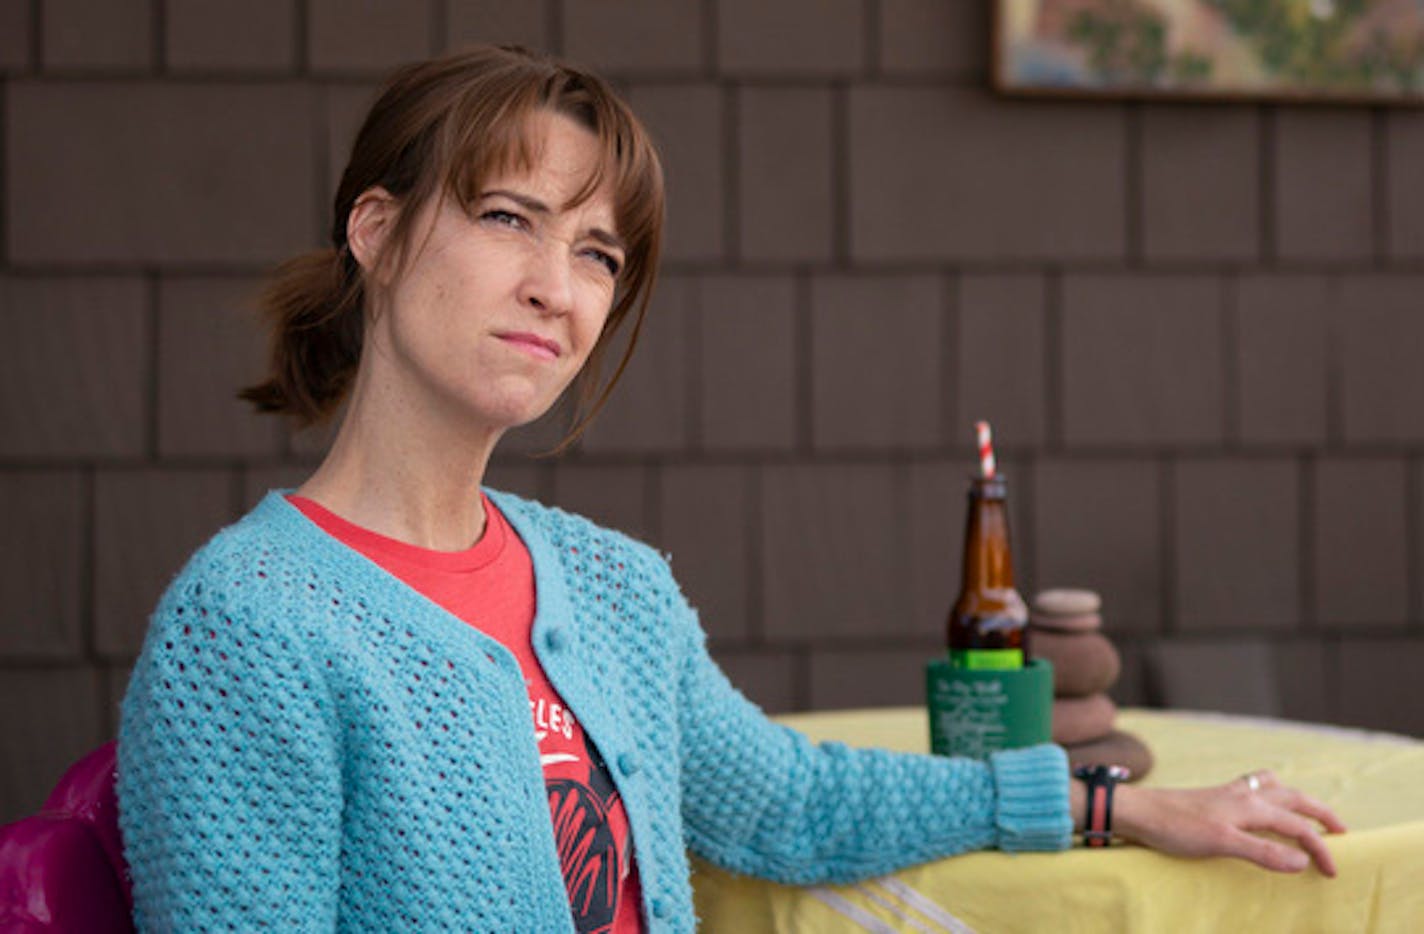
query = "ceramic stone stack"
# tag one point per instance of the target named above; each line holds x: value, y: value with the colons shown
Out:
x: 1065, y: 628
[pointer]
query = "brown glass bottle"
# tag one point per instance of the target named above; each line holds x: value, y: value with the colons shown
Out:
x: 988, y: 624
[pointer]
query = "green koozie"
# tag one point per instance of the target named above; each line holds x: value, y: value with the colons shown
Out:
x: 977, y: 712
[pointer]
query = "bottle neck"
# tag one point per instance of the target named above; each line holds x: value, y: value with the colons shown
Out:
x: 988, y: 561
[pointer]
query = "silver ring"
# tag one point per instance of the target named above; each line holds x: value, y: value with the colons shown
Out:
x: 1253, y: 781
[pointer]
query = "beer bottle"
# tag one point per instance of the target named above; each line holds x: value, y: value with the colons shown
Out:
x: 988, y: 624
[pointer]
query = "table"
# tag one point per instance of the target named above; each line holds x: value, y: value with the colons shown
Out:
x: 1374, y: 781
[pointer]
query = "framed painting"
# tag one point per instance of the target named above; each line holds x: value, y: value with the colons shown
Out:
x: 1369, y: 51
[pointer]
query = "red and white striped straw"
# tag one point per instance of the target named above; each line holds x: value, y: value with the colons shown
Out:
x: 986, y: 449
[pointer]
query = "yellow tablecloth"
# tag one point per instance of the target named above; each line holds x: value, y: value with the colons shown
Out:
x: 1375, y: 782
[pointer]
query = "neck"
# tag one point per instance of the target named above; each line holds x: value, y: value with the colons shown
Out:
x: 407, y: 469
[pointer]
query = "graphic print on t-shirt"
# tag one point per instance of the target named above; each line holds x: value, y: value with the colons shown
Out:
x: 588, y: 853
x: 589, y: 820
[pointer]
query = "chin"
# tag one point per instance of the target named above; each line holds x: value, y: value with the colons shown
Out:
x: 516, y: 413
x: 506, y: 404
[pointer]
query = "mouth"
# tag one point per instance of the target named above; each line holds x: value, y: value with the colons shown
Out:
x: 541, y: 347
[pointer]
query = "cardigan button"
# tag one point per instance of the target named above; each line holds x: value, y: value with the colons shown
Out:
x: 554, y: 640
x: 627, y: 764
x: 660, y: 908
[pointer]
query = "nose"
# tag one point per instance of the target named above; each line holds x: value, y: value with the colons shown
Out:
x: 547, y: 284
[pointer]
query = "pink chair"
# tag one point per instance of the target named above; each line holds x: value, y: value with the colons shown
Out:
x: 63, y: 869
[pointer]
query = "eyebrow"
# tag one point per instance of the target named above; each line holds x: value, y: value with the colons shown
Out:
x: 535, y: 206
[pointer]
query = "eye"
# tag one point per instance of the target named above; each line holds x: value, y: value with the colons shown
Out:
x: 505, y: 219
x: 609, y: 261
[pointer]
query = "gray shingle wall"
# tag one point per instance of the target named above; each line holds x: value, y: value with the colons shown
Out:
x: 1196, y: 328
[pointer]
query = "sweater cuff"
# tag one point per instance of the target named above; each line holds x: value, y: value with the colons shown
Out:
x: 1032, y: 798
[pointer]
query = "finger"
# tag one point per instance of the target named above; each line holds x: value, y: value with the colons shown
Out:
x: 1267, y: 853
x: 1297, y: 828
x: 1256, y: 781
x: 1304, y: 804
x: 1319, y: 854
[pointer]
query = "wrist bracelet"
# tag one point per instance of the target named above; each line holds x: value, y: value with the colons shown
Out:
x: 1101, y: 780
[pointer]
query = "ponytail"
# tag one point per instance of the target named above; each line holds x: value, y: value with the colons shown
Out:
x: 313, y: 310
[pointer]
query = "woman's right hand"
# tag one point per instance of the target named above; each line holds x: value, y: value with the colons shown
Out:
x: 1229, y: 820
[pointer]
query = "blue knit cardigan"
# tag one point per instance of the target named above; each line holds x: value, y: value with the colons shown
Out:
x: 309, y: 744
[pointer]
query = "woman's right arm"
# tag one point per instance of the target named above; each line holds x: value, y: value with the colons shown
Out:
x: 229, y: 772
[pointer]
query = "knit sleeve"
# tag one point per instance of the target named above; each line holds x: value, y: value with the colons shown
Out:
x: 763, y: 800
x: 229, y: 775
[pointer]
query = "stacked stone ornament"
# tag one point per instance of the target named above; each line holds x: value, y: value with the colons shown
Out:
x: 1065, y: 628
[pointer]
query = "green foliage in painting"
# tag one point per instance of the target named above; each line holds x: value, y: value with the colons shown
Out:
x: 1327, y: 43
x: 1126, y: 41
x: 1338, y: 45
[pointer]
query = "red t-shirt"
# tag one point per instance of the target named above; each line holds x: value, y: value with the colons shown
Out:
x: 491, y: 586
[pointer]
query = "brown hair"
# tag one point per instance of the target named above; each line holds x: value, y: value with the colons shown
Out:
x: 439, y: 128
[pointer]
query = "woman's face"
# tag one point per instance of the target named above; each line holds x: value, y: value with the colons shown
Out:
x: 498, y: 312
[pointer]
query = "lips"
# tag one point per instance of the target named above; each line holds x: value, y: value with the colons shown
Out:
x: 533, y: 343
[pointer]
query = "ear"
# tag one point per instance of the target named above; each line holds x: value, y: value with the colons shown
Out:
x: 368, y: 226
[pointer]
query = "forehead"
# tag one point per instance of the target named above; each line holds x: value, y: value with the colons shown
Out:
x: 560, y: 162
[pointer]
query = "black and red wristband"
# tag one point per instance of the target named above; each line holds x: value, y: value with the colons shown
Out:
x: 1100, y: 780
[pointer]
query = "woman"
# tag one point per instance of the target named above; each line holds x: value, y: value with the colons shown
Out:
x: 330, y: 722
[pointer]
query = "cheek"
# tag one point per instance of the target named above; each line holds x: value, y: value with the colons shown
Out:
x: 591, y: 321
